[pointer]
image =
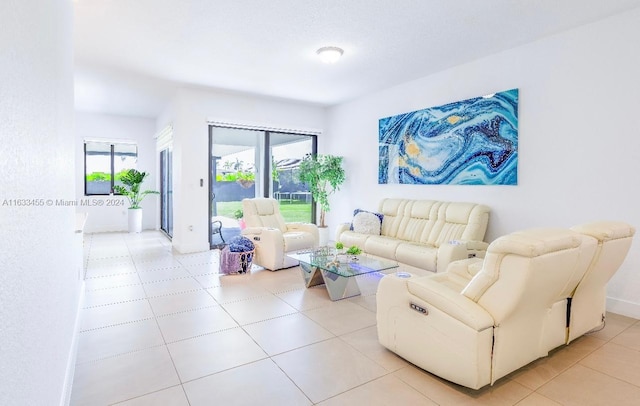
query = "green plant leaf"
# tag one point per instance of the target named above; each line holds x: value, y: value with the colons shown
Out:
x: 354, y: 250
x: 324, y: 175
x: 132, y: 179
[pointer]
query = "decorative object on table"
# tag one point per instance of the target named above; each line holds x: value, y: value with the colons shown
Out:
x: 339, y: 247
x: 132, y: 179
x: 324, y: 253
x: 353, y: 252
x: 469, y: 142
x: 335, y: 264
x: 324, y: 175
x: 237, y: 256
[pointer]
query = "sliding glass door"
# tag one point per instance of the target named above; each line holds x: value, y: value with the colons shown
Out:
x: 247, y: 163
x: 166, y: 191
x: 287, y: 150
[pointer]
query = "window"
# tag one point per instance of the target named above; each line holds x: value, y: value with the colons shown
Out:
x: 104, y: 163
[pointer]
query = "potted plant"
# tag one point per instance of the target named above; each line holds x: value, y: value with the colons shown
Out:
x: 132, y: 179
x: 324, y: 175
x: 238, y: 214
x: 354, y: 251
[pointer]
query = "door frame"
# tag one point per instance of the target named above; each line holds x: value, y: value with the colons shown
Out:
x: 266, y: 155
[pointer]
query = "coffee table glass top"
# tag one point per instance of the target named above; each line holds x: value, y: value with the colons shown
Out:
x: 342, y: 264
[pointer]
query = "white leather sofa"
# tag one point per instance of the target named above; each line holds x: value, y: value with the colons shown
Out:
x: 484, y: 318
x: 272, y: 237
x: 425, y: 235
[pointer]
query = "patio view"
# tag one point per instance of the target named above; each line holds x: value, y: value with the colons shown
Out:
x: 238, y: 161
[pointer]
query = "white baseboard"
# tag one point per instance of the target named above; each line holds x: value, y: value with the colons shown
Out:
x: 73, y: 354
x: 190, y: 248
x: 623, y: 307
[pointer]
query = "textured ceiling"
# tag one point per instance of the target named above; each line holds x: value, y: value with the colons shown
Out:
x: 130, y: 55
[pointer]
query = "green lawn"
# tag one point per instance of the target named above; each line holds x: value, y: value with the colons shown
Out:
x: 294, y: 211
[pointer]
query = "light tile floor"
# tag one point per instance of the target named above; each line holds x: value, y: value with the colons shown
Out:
x: 160, y: 328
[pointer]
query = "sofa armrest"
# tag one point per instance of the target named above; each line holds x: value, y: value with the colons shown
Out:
x: 342, y: 227
x: 477, y: 245
x: 457, y: 250
x: 476, y: 248
x: 269, y: 243
x: 252, y: 230
x: 465, y: 268
x: 265, y: 236
x: 447, y: 300
x: 307, y: 228
x: 449, y: 252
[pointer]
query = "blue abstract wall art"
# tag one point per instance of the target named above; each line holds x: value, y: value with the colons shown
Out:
x: 469, y: 142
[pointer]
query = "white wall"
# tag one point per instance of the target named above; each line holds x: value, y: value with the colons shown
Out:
x: 40, y: 283
x: 579, y: 137
x: 189, y: 113
x: 114, y: 127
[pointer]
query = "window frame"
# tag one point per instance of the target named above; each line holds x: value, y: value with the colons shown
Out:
x: 112, y: 145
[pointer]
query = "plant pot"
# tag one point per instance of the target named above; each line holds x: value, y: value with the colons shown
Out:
x: 135, y: 220
x: 323, y: 233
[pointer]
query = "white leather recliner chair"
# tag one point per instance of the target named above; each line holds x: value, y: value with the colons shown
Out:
x: 272, y: 237
x: 510, y: 312
x: 588, y: 303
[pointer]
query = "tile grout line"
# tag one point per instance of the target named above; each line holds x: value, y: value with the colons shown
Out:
x: 92, y: 361
x: 155, y: 318
x: 114, y: 325
x: 181, y: 292
x: 187, y: 311
x: 149, y: 393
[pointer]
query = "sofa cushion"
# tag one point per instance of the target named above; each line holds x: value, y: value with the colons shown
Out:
x: 350, y: 238
x: 366, y: 222
x: 382, y: 246
x: 418, y: 220
x: 393, y: 211
x: 459, y: 221
x: 263, y: 213
x: 418, y: 255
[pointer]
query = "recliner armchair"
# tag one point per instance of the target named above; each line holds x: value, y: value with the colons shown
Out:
x: 588, y: 302
x: 272, y: 237
x: 512, y: 311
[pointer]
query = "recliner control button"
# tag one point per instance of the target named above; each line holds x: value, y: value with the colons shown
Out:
x: 419, y: 309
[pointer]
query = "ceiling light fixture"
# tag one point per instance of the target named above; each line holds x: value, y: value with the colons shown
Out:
x: 330, y: 54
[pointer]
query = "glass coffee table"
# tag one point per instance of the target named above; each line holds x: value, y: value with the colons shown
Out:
x: 338, y: 272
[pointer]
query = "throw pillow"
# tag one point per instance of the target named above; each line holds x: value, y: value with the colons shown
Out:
x: 366, y: 222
